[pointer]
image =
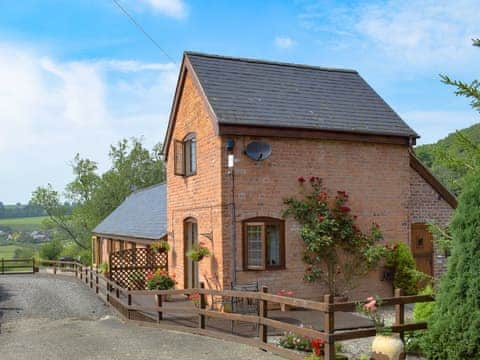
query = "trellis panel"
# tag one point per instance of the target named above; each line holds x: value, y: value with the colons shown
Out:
x: 129, y: 267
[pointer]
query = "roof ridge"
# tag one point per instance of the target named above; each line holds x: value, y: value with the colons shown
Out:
x: 269, y: 62
x: 146, y: 188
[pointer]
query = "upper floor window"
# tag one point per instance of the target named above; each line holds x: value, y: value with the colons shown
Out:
x: 186, y: 156
x: 264, y: 244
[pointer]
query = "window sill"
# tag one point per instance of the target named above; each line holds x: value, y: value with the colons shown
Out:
x: 275, y: 268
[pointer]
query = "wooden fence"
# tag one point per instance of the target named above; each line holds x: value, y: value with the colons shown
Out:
x: 17, y: 266
x: 124, y: 301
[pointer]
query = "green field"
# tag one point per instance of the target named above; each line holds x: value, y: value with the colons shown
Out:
x: 23, y: 224
x: 6, y: 251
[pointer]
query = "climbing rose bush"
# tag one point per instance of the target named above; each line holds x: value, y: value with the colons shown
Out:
x: 336, y: 250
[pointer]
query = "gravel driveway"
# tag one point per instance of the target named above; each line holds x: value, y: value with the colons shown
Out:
x: 46, y: 317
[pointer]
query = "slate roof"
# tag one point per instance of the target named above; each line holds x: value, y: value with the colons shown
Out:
x: 143, y: 214
x: 262, y: 93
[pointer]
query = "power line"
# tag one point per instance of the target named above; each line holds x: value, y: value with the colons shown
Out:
x: 140, y: 27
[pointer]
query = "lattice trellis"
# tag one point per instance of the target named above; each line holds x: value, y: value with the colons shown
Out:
x: 128, y: 267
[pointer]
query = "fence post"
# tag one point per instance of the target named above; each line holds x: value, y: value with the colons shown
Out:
x: 263, y: 313
x: 129, y: 301
x: 33, y: 265
x: 201, y: 317
x: 81, y: 272
x: 158, y: 299
x: 96, y: 282
x: 75, y: 266
x: 108, y: 291
x: 91, y: 277
x: 328, y: 328
x: 400, y: 313
x: 3, y: 266
x: 54, y: 268
x: 86, y: 274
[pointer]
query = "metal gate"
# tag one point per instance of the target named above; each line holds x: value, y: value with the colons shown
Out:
x: 129, y: 267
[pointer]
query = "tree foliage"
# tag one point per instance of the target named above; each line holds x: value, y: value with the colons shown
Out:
x: 97, y: 195
x: 336, y: 250
x: 454, y: 330
x: 452, y: 158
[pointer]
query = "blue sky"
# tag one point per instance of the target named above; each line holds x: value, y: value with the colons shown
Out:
x: 77, y: 76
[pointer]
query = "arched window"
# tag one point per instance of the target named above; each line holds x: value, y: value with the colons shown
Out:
x: 263, y: 244
x: 186, y: 155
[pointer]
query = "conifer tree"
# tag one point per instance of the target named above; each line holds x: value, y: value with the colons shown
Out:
x: 454, y: 329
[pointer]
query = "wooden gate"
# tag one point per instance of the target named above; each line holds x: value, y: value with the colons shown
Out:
x: 129, y: 267
x: 422, y: 248
x: 17, y: 266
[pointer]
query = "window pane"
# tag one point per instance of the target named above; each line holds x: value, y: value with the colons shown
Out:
x: 179, y: 161
x: 254, y: 246
x: 273, y: 245
x: 193, y: 156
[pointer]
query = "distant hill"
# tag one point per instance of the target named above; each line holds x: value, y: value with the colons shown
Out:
x: 431, y: 156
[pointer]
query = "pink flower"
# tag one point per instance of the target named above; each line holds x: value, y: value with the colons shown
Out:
x: 344, y: 208
x: 371, y: 305
x: 321, y: 218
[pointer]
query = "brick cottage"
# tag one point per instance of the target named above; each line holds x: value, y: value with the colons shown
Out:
x: 240, y: 133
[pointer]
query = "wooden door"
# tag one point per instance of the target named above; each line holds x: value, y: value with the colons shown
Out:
x: 191, y: 267
x: 422, y: 248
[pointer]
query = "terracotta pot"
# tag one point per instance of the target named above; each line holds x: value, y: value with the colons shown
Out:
x: 388, y: 347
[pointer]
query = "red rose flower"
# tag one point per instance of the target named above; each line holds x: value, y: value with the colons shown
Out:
x: 321, y: 218
x: 322, y: 196
x: 394, y: 247
x: 301, y: 179
x: 344, y: 208
x: 313, y: 179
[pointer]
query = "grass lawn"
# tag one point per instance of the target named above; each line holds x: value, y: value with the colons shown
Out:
x: 6, y: 251
x: 24, y: 224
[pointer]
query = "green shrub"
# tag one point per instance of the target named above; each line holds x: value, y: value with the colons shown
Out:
x: 401, y: 261
x: 160, y: 280
x: 51, y: 250
x: 23, y: 253
x: 454, y: 329
x: 104, y: 267
x: 414, y: 341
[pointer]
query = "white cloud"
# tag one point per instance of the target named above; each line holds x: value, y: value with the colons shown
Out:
x: 173, y: 8
x: 412, y: 35
x: 51, y: 109
x: 421, y: 32
x: 284, y: 42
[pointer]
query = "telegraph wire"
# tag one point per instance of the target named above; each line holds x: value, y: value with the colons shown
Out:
x: 140, y: 27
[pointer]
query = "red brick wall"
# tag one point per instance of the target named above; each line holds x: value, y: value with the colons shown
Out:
x: 197, y: 196
x: 426, y: 205
x: 376, y: 176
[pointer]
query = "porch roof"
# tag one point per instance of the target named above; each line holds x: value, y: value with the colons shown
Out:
x: 142, y: 215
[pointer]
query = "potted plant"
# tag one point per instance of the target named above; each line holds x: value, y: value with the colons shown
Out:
x: 160, y: 246
x: 104, y: 269
x: 198, y: 252
x: 385, y: 345
x: 160, y: 280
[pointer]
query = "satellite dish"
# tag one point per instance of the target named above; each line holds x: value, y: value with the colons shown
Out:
x: 258, y: 150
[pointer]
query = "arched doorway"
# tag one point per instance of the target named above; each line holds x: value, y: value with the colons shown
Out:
x: 190, y: 240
